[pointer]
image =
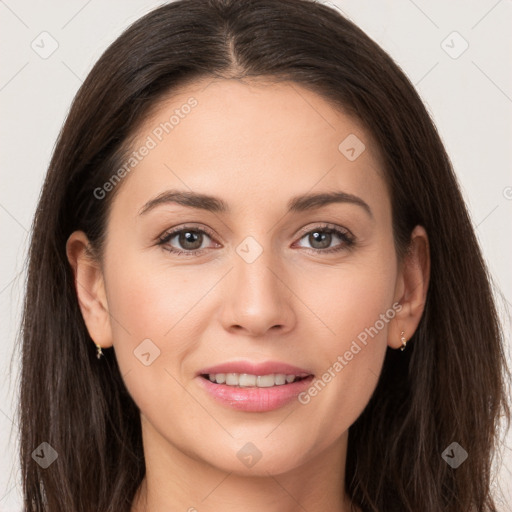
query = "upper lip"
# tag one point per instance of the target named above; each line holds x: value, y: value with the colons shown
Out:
x: 265, y: 368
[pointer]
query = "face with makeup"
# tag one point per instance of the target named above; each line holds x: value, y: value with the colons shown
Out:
x: 256, y: 230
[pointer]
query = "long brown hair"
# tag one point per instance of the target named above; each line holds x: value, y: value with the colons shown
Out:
x: 448, y: 386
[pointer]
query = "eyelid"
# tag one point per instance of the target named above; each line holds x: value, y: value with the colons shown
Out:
x: 325, y: 226
x: 178, y: 229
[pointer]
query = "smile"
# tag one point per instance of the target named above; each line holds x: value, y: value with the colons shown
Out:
x: 244, y: 393
x: 249, y: 380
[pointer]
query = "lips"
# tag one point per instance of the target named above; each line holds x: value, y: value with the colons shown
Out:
x: 242, y: 395
x: 265, y: 368
x: 254, y: 399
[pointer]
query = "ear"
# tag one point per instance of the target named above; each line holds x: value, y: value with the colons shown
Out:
x: 411, y: 288
x: 90, y: 288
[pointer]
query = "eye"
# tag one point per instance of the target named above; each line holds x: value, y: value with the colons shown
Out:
x: 189, y: 240
x: 321, y: 238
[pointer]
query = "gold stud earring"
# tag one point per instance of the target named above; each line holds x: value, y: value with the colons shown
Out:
x: 403, y: 340
x: 99, y: 353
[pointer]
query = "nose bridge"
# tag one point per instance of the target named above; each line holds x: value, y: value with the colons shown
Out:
x: 258, y: 299
x: 253, y: 277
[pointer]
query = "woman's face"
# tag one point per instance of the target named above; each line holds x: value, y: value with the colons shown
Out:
x: 268, y: 282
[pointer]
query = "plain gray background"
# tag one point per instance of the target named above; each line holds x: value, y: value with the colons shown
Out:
x: 467, y: 90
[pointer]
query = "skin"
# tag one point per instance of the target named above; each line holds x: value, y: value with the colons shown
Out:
x: 255, y: 145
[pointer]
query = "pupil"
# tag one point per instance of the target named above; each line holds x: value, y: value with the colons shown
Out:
x: 323, y: 237
x: 189, y: 237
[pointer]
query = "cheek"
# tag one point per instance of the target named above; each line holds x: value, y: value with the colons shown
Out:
x: 348, y: 299
x: 355, y: 308
x: 155, y: 326
x: 154, y: 301
x: 152, y: 317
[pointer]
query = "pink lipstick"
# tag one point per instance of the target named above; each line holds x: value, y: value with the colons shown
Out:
x: 254, y: 387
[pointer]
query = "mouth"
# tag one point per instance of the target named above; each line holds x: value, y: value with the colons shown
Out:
x: 254, y: 386
x: 254, y: 393
x: 247, y: 380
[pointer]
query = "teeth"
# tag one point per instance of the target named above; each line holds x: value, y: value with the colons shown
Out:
x: 248, y: 380
x: 244, y: 380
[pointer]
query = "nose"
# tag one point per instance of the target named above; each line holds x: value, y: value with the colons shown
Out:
x: 258, y: 301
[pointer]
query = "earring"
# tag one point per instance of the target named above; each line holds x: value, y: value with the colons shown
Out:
x: 99, y: 353
x: 403, y: 340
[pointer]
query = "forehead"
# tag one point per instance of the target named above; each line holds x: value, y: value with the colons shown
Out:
x: 250, y: 142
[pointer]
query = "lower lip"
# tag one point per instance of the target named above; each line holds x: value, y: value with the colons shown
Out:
x: 255, y: 399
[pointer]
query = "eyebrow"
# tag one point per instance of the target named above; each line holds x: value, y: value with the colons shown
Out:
x: 301, y: 203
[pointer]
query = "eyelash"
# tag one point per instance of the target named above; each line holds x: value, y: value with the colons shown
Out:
x: 346, y: 237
